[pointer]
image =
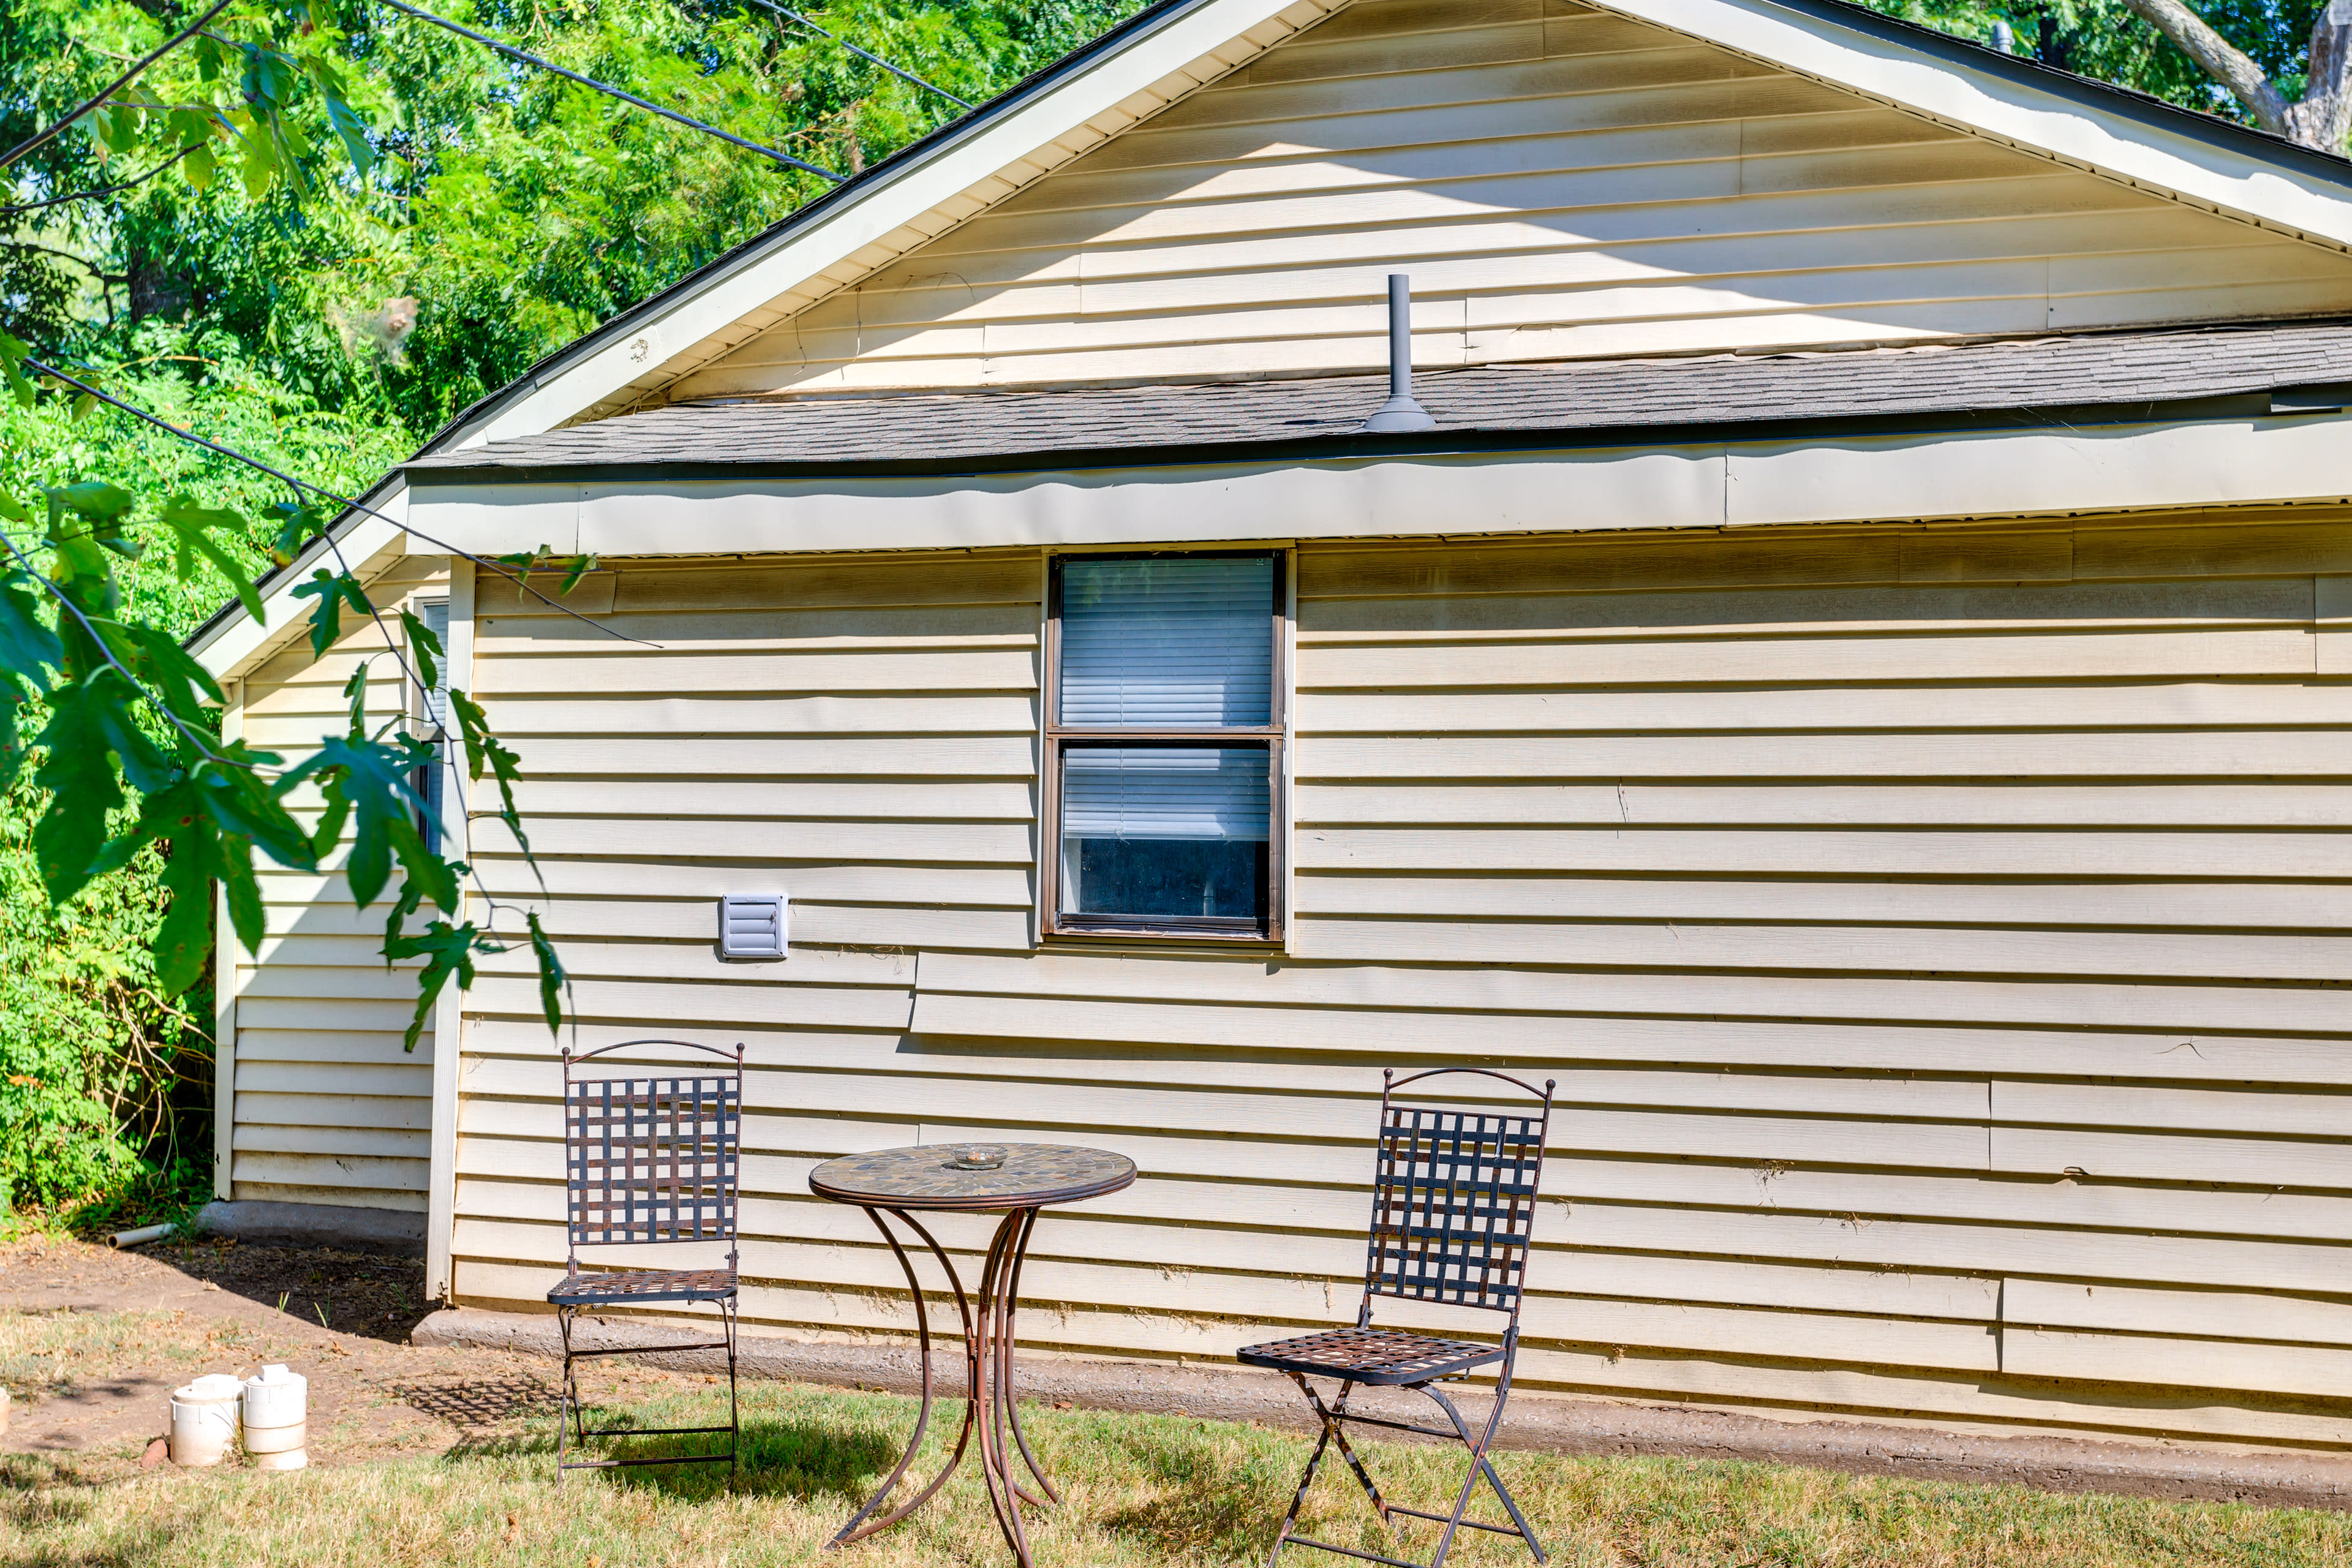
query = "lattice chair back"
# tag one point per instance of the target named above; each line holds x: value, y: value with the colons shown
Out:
x: 653, y: 1158
x: 1454, y: 1199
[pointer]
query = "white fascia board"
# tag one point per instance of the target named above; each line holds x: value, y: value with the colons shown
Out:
x: 2138, y: 149
x: 887, y: 208
x: 240, y: 640
x: 1881, y: 478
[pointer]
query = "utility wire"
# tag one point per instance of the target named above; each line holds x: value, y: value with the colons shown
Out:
x: 530, y: 59
x: 103, y: 189
x: 499, y: 567
x: 853, y: 49
x: 157, y: 53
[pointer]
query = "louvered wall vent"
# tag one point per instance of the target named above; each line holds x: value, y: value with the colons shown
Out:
x: 751, y: 927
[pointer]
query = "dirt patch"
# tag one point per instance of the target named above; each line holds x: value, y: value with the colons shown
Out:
x: 100, y: 1390
x: 379, y: 1296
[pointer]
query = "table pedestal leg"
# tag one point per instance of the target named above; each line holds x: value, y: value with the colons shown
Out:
x: 989, y: 1410
x: 859, y: 1527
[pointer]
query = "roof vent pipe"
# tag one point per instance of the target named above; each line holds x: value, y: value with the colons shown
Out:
x: 1400, y: 412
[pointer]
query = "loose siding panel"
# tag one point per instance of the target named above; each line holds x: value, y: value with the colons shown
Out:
x: 327, y: 1107
x: 1560, y: 180
x: 1942, y: 968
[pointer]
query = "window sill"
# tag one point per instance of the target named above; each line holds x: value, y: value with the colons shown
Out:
x: 1257, y: 941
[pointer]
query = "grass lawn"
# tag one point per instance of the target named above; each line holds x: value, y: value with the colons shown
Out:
x: 1149, y: 1492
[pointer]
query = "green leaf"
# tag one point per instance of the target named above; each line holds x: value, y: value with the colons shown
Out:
x: 80, y: 780
x: 200, y: 169
x: 249, y: 805
x: 93, y: 498
x: 375, y: 778
x: 551, y: 978
x: 333, y: 590
x: 347, y: 126
x: 192, y: 527
x: 297, y: 525
x: 483, y: 747
x: 581, y: 567
x: 425, y: 647
x: 184, y: 685
x: 13, y: 355
x: 27, y: 644
x: 13, y: 751
x: 355, y: 692
x: 184, y: 940
x: 335, y: 813
x: 447, y: 950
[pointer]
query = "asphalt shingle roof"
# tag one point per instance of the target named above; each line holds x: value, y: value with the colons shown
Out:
x: 2117, y: 369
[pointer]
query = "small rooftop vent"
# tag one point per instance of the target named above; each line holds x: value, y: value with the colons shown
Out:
x: 1400, y: 413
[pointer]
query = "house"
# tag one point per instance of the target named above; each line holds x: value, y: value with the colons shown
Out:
x: 1852, y: 684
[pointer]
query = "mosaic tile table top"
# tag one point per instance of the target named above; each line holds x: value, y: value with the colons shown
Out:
x: 972, y: 1176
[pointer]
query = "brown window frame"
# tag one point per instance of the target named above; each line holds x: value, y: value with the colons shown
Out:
x: 1057, y: 736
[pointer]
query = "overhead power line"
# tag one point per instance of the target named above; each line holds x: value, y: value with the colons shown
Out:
x: 149, y: 58
x: 521, y: 579
x: 853, y: 49
x: 172, y: 162
x: 530, y: 59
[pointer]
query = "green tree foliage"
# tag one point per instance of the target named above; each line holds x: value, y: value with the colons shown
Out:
x: 2109, y: 40
x: 320, y: 231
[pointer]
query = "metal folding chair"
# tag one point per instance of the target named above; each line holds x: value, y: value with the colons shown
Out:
x: 1453, y: 1201
x: 651, y: 1159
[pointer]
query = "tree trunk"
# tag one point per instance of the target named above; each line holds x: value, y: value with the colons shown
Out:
x: 2324, y: 118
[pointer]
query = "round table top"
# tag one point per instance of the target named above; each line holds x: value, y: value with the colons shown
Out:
x: 972, y: 1176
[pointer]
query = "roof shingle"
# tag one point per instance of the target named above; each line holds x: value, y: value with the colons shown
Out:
x: 2115, y: 370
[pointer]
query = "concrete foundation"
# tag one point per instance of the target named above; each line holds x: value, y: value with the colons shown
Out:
x: 394, y: 1231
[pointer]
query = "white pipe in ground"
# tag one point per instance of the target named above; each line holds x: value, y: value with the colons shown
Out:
x: 275, y: 1417
x: 144, y: 1234
x: 204, y: 1420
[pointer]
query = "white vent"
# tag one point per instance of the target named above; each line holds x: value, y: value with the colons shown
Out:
x: 751, y: 927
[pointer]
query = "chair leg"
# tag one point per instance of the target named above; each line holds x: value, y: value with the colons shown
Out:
x: 1480, y: 1466
x: 567, y: 1399
x: 1306, y: 1479
x: 734, y: 1409
x: 1333, y: 1422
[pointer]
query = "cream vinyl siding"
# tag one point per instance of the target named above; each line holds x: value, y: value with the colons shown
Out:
x: 1937, y: 936
x: 1560, y: 180
x: 328, y: 1108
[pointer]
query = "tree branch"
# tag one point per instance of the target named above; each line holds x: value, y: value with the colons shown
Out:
x: 2220, y: 58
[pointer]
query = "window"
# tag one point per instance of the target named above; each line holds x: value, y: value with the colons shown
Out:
x: 1163, y: 746
x: 434, y: 613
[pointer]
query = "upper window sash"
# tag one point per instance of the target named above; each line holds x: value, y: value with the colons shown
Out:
x: 1165, y: 642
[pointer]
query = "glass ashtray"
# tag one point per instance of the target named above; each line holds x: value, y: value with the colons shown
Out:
x: 977, y: 1157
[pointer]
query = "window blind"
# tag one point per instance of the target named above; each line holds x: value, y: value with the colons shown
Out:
x: 434, y: 613
x: 1167, y: 643
x: 1162, y: 792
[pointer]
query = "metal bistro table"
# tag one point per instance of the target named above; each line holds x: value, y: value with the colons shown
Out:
x: 1017, y: 1179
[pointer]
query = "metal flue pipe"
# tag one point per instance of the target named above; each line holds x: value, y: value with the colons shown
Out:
x: 1400, y: 413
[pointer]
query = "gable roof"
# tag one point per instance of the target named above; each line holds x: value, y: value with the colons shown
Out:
x: 1175, y: 46
x: 2125, y: 376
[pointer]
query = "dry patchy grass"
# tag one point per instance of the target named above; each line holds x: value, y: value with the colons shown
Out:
x: 1142, y: 1492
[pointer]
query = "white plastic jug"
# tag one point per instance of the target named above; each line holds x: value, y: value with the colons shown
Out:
x: 276, y: 1418
x: 204, y: 1420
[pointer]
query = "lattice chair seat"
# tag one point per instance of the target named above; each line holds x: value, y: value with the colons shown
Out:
x: 1384, y: 1358
x: 646, y: 1285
